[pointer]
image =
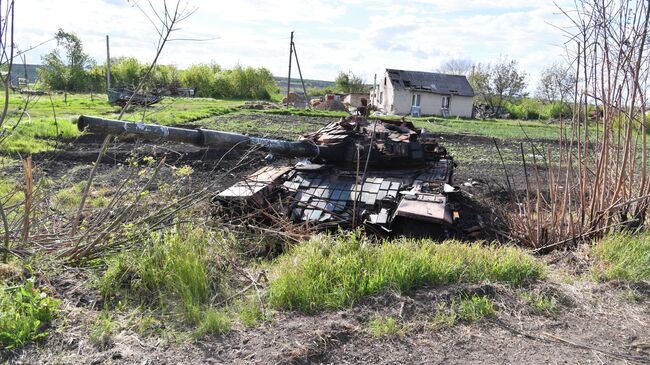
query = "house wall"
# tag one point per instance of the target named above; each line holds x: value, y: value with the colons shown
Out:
x: 386, y: 92
x: 461, y: 106
x: 355, y: 99
x: 431, y: 104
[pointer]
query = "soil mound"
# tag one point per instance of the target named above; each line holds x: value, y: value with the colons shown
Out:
x: 334, y: 105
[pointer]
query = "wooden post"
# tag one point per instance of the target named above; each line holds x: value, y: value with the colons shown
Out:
x: 108, y: 65
x: 299, y: 72
x: 29, y: 184
x: 374, y: 89
x: 289, y: 77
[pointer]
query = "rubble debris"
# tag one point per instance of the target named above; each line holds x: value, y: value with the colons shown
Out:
x: 295, y: 100
x: 121, y: 97
x: 472, y: 182
x: 333, y: 105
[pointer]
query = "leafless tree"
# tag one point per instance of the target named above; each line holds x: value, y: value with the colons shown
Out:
x: 456, y: 66
x: 557, y: 83
x: 6, y: 65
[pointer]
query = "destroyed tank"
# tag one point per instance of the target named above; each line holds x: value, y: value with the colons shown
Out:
x: 379, y: 173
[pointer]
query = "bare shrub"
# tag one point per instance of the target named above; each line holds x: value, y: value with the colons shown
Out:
x: 599, y: 182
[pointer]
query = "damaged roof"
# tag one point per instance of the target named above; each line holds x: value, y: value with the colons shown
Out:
x: 430, y: 82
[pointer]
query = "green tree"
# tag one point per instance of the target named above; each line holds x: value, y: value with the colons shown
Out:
x: 349, y: 83
x: 126, y: 71
x: 319, y: 91
x: 251, y: 83
x: 494, y: 84
x: 164, y: 77
x: 64, y: 67
x: 202, y: 78
x: 96, y: 79
x: 507, y: 82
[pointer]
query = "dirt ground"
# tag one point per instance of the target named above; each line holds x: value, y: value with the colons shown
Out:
x: 596, y: 323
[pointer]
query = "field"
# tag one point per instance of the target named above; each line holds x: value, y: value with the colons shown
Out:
x: 171, y: 284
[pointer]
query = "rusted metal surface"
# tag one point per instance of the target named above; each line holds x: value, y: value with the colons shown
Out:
x: 377, y: 173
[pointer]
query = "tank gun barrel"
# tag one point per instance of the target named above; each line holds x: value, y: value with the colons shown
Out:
x: 198, y: 137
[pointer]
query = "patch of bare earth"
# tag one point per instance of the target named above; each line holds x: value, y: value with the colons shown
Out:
x: 595, y: 323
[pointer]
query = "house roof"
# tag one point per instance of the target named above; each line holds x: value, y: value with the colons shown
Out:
x: 430, y: 82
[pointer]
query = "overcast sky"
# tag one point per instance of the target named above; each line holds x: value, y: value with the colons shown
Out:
x: 364, y: 37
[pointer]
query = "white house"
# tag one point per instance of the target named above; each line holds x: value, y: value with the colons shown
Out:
x: 423, y: 93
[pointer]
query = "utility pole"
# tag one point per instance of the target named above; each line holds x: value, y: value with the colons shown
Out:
x: 295, y: 53
x: 289, y: 77
x: 108, y: 65
x: 374, y: 91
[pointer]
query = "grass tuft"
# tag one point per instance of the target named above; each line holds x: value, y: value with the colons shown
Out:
x: 101, y: 332
x: 333, y: 272
x: 466, y: 308
x: 623, y: 256
x: 386, y: 326
x: 541, y: 303
x: 250, y: 312
x: 213, y: 321
x: 172, y: 271
x: 474, y: 307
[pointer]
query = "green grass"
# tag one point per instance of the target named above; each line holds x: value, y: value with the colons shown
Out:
x: 386, y: 326
x: 304, y: 112
x: 471, y: 308
x: 498, y: 128
x: 37, y: 135
x: 466, y: 308
x: 213, y: 321
x: 540, y: 303
x: 101, y: 332
x: 41, y: 132
x: 25, y: 313
x: 13, y: 189
x: 623, y: 256
x: 173, y: 271
x: 250, y: 313
x: 333, y: 272
x: 70, y: 197
x: 444, y: 317
x: 258, y: 127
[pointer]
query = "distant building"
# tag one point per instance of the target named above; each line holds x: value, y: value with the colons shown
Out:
x: 356, y: 99
x: 423, y: 93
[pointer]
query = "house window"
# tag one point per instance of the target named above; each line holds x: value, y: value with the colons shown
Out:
x: 416, y: 100
x: 445, y: 102
x: 384, y: 81
x: 381, y: 97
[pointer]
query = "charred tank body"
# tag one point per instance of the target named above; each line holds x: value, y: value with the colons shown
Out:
x: 382, y: 174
